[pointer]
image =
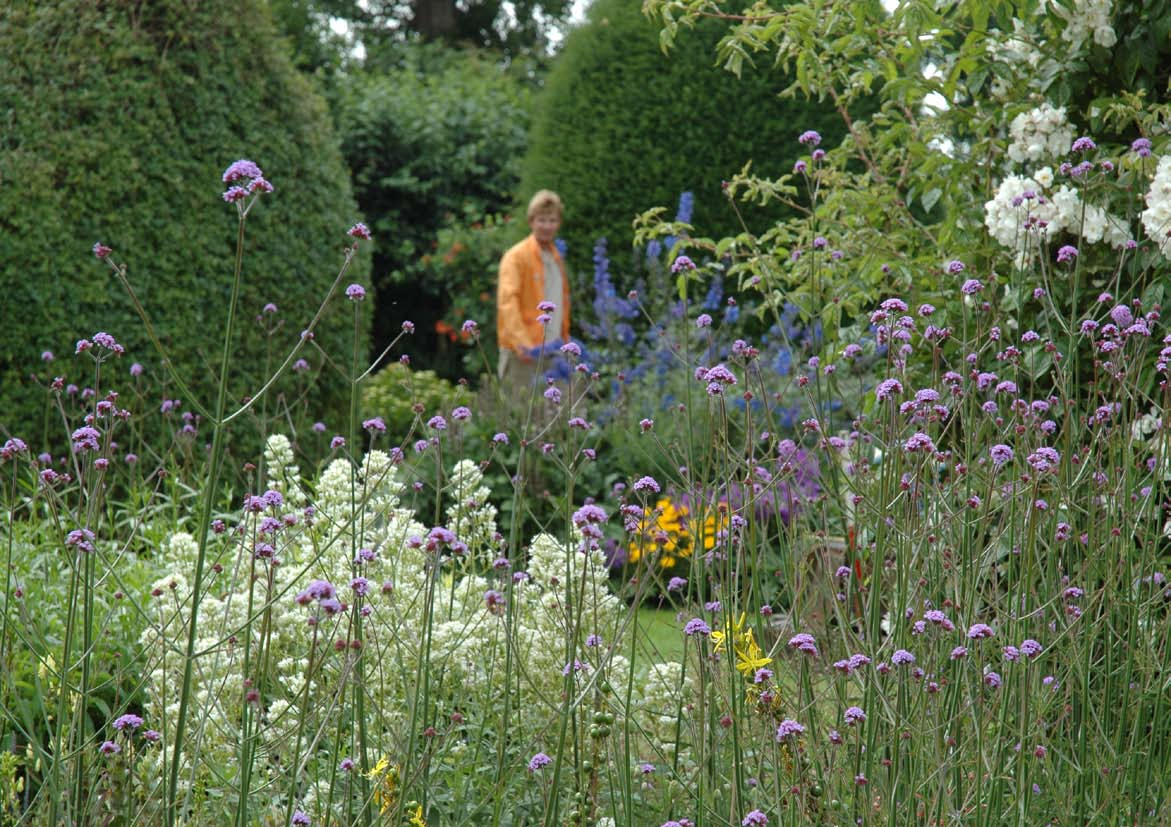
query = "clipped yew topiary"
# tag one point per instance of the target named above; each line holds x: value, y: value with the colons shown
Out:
x: 119, y: 119
x: 621, y: 127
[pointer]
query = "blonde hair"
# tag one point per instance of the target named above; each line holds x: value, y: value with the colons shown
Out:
x: 544, y: 201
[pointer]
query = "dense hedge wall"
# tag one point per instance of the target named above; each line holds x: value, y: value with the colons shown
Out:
x: 621, y: 127
x: 119, y: 119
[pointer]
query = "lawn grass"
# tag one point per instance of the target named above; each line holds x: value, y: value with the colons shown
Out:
x: 660, y: 637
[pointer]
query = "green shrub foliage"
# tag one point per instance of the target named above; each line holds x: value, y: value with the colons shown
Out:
x: 119, y: 119
x: 435, y: 138
x: 621, y: 127
x: 394, y: 392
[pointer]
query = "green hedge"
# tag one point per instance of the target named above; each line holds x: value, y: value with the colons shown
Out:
x: 434, y: 140
x: 621, y: 127
x: 119, y: 119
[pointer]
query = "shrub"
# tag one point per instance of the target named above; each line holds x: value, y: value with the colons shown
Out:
x: 621, y: 127
x: 465, y: 266
x: 394, y: 391
x: 435, y: 138
x: 160, y: 98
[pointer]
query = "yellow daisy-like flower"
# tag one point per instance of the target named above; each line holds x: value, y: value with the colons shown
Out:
x: 667, y: 529
x: 749, y: 656
x: 417, y: 819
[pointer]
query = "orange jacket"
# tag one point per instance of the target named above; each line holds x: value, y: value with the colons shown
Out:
x: 520, y: 289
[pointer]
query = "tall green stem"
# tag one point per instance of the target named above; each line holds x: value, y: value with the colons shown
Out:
x: 171, y: 804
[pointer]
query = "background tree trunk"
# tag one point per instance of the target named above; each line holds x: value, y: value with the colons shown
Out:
x: 435, y: 19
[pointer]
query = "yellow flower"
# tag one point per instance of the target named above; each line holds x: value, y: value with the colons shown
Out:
x: 386, y: 776
x: 664, y: 528
x: 712, y: 526
x: 417, y: 819
x: 749, y: 656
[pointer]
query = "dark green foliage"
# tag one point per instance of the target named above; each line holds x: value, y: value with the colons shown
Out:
x: 467, y: 264
x: 1140, y: 62
x: 119, y: 119
x: 622, y: 127
x: 516, y: 28
x: 439, y: 136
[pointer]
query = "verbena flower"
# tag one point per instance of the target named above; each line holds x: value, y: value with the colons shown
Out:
x: 919, y: 442
x: 902, y: 657
x: 1030, y: 648
x: 789, y: 730
x: 979, y: 631
x: 804, y: 642
x: 241, y: 170
x: 1001, y: 454
x: 374, y: 425
x: 85, y: 439
x: 127, y: 721
x: 646, y: 484
x: 755, y: 819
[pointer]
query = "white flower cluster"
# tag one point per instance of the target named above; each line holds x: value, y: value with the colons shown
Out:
x: 278, y: 635
x: 1041, y: 134
x: 659, y: 706
x: 1087, y: 19
x: 1024, y: 214
x: 1016, y: 48
x: 1157, y: 216
x: 469, y: 513
x: 1019, y: 59
x: 282, y: 470
x: 1149, y: 432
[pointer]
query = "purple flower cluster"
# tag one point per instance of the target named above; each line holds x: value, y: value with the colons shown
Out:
x: 804, y: 642
x: 324, y: 593
x: 854, y: 716
x: 244, y: 178
x: 789, y: 730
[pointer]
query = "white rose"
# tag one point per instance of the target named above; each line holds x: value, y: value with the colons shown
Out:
x: 1104, y: 36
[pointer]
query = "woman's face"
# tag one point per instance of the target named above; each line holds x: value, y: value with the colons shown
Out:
x: 545, y: 226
